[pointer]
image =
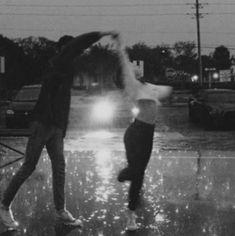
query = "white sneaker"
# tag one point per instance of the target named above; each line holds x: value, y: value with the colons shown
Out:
x: 131, y: 221
x: 7, y: 218
x: 65, y: 217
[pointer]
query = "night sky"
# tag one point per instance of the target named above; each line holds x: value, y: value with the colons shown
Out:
x: 150, y: 21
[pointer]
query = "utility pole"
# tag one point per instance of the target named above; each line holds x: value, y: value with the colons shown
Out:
x: 199, y: 43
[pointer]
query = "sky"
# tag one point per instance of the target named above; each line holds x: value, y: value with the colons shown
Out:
x: 152, y: 22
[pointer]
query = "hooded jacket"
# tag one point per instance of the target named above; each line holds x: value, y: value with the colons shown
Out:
x: 53, y: 105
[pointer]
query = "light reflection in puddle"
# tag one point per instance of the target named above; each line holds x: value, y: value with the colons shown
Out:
x: 104, y: 164
x: 160, y: 217
x: 104, y: 169
x: 101, y: 134
x: 94, y: 193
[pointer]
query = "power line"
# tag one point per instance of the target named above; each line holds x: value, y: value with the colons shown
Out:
x: 93, y: 5
x: 129, y: 31
x: 111, y: 5
x: 89, y: 14
x: 222, y: 4
x: 109, y: 15
x: 220, y: 13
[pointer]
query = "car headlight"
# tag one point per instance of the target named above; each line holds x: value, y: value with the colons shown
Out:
x: 103, y: 111
x: 10, y: 112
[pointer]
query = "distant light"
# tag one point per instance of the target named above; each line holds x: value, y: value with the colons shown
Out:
x: 103, y: 111
x: 10, y: 112
x: 194, y: 78
x: 94, y: 84
x: 135, y: 111
x: 215, y: 75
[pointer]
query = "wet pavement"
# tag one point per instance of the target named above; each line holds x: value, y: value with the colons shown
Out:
x: 188, y: 190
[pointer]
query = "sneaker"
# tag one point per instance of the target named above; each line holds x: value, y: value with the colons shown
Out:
x: 131, y: 221
x: 7, y: 218
x: 65, y: 217
x: 124, y: 175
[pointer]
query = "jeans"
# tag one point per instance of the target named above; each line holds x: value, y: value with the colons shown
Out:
x: 138, y: 140
x: 51, y: 137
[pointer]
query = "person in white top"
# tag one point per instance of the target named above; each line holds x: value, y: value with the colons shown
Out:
x: 138, y: 137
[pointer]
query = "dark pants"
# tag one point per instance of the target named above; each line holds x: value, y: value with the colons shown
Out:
x: 51, y: 137
x: 138, y: 140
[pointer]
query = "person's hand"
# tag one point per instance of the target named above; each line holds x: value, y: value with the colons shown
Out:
x: 114, y: 34
x: 119, y: 42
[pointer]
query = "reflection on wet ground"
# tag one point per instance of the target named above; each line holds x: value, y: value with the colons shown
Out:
x: 185, y: 193
x: 189, y: 185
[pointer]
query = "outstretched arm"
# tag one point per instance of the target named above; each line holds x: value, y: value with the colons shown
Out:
x: 77, y: 46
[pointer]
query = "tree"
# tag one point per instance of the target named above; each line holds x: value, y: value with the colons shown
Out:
x: 99, y: 63
x: 142, y: 52
x: 18, y: 69
x: 156, y: 59
x: 162, y: 58
x: 185, y: 56
x: 207, y: 62
x: 221, y: 58
x: 40, y: 50
x: 185, y: 48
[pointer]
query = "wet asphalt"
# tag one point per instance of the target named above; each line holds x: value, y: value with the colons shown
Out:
x: 188, y: 190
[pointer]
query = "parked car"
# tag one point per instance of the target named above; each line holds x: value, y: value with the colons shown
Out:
x: 213, y: 108
x: 18, y: 114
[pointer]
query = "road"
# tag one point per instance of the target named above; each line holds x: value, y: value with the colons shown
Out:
x: 188, y: 190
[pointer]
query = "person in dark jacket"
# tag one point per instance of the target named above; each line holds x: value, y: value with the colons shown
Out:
x: 50, y: 120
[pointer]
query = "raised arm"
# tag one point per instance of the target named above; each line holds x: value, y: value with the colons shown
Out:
x: 77, y: 46
x: 131, y: 84
x: 135, y: 89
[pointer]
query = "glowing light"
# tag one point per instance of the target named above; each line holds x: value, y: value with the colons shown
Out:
x: 194, y: 78
x: 135, y: 111
x: 103, y: 111
x: 215, y: 75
